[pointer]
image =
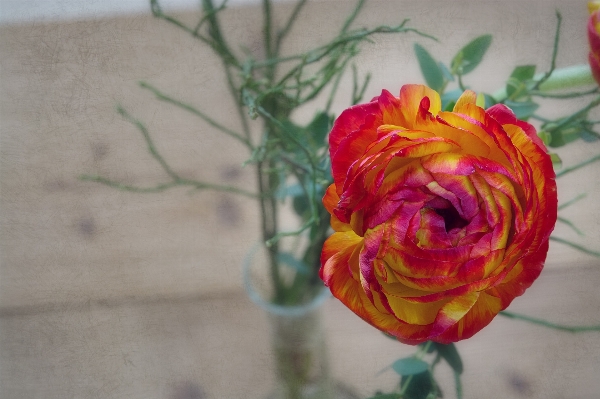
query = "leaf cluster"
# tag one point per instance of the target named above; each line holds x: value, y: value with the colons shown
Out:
x: 417, y: 380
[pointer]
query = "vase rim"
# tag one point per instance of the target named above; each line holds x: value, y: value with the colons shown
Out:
x: 279, y: 310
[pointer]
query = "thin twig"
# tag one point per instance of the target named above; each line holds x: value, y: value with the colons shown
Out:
x: 570, y: 224
x: 151, y: 148
x: 319, y: 52
x: 576, y: 246
x: 566, y: 121
x: 545, y: 323
x: 282, y: 234
x: 219, y: 44
x: 288, y: 25
x: 165, y: 186
x: 578, y: 166
x: 334, y: 89
x: 208, y: 15
x: 127, y: 187
x: 571, y: 202
x: 352, y: 17
x: 163, y: 97
x: 564, y: 95
x: 157, y: 12
x: 554, y: 53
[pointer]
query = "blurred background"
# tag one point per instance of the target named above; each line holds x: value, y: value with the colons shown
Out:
x: 111, y: 294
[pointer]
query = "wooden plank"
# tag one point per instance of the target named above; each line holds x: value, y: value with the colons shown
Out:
x: 221, y: 347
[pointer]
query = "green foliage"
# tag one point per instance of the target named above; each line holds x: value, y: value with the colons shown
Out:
x: 556, y: 161
x: 433, y: 74
x: 449, y: 99
x: 417, y: 379
x: 381, y: 395
x: 489, y: 100
x: 409, y: 366
x: 518, y: 82
x: 450, y: 354
x: 522, y: 109
x: 588, y: 135
x: 420, y: 386
x: 468, y: 57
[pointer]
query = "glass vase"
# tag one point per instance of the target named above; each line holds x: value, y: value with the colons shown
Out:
x: 298, y: 343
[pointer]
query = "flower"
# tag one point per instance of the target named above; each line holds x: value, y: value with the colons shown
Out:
x: 440, y: 218
x: 593, y: 29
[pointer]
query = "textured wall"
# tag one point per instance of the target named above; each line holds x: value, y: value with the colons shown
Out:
x: 65, y: 243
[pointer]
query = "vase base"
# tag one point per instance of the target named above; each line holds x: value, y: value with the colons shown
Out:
x: 340, y: 391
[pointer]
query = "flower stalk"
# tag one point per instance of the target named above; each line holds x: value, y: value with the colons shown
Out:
x: 562, y: 79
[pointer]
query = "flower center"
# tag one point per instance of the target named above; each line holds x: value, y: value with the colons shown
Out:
x: 452, y: 219
x: 444, y: 208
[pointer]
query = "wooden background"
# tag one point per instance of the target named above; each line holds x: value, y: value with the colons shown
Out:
x: 113, y: 294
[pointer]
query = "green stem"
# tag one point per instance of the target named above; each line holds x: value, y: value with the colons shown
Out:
x: 560, y: 79
x: 570, y: 224
x: 575, y: 94
x: 165, y: 186
x: 163, y: 97
x: 576, y: 246
x: 151, y: 148
x: 267, y: 27
x: 572, y: 118
x: 352, y: 17
x: 288, y: 25
x: 578, y: 166
x: 419, y: 355
x: 458, y: 384
x: 547, y: 75
x: 572, y: 201
x: 218, y: 41
x: 268, y: 212
x: 545, y: 323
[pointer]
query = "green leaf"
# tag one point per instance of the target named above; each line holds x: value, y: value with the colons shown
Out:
x: 421, y: 386
x: 449, y: 99
x: 293, y: 190
x: 556, y: 161
x: 522, y: 109
x: 429, y: 68
x: 517, y: 82
x: 446, y: 72
x: 409, y: 366
x: 523, y: 73
x: 489, y: 101
x: 450, y: 355
x: 318, y: 129
x: 480, y: 101
x: 449, y: 106
x: 545, y: 136
x: 301, y: 205
x: 380, y: 395
x: 561, y: 137
x: 471, y: 55
x: 589, y: 136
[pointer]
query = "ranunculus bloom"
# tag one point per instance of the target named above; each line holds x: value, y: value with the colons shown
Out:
x: 441, y: 219
x: 593, y: 29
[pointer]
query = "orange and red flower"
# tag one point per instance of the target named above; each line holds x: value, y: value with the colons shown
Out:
x: 440, y: 218
x: 593, y: 30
